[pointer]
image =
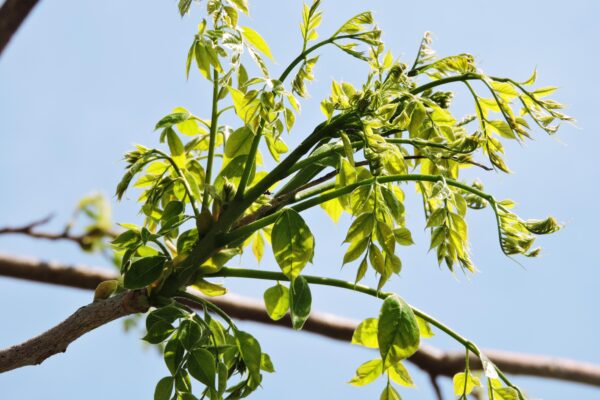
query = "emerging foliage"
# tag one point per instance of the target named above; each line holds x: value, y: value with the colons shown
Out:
x: 203, y: 205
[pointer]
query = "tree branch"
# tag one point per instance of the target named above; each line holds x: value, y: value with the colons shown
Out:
x: 34, y: 351
x: 12, y: 15
x: 436, y: 387
x: 84, y: 240
x: 431, y: 360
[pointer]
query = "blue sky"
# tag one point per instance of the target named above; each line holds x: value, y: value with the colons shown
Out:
x: 82, y: 81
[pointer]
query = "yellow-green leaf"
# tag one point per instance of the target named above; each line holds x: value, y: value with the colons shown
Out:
x: 277, y: 301
x: 399, y: 374
x: 365, y: 333
x: 367, y: 372
x: 257, y: 41
x: 389, y: 393
x: 464, y: 384
x: 397, y: 330
x: 424, y: 328
x: 209, y: 288
x: 293, y: 243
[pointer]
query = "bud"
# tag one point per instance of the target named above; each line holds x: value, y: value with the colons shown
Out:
x: 442, y: 99
x: 228, y: 191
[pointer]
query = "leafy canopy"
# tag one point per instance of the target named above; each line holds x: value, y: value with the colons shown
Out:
x: 206, y: 197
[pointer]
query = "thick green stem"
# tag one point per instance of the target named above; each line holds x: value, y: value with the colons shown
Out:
x: 250, y: 162
x: 318, y: 280
x: 214, y: 123
x: 338, y: 148
x: 238, y: 206
x: 257, y: 137
x: 443, y: 81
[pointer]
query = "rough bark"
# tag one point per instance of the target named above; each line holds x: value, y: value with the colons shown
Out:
x: 56, y: 340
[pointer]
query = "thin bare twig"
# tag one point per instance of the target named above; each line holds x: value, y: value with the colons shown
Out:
x: 84, y: 240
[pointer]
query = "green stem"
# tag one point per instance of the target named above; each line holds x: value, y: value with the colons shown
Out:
x: 238, y: 206
x: 163, y: 249
x: 199, y: 300
x: 439, y: 82
x: 214, y: 121
x: 257, y: 137
x: 186, y: 184
x: 221, y: 111
x: 250, y: 161
x: 318, y: 280
x: 306, y: 52
x: 305, y: 194
x: 337, y: 148
x: 261, y: 223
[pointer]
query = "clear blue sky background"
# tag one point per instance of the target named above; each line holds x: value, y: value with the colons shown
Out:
x: 82, y: 81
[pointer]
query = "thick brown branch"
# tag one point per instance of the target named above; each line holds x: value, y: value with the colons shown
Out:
x: 433, y: 361
x: 12, y: 15
x: 34, y: 351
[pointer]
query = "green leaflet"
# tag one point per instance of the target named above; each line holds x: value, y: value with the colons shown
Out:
x: 367, y: 373
x: 251, y: 354
x: 277, y: 301
x: 365, y: 333
x: 176, y: 147
x: 464, y: 384
x: 208, y: 288
x: 300, y: 302
x: 257, y: 41
x: 266, y: 364
x: 424, y: 328
x: 389, y: 393
x: 398, y: 330
x: 158, y: 332
x: 172, y: 119
x: 400, y: 375
x: 293, y: 243
x: 403, y: 236
x: 173, y: 355
x: 143, y: 272
x: 239, y: 142
x: 242, y: 5
x: 164, y: 388
x: 189, y: 334
x: 505, y: 393
x: 232, y: 172
x: 201, y: 365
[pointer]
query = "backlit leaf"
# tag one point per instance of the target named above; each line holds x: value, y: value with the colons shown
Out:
x: 257, y: 41
x: 277, y: 301
x: 365, y: 333
x: 398, y: 330
x: 367, y: 373
x: 300, y: 302
x: 293, y: 243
